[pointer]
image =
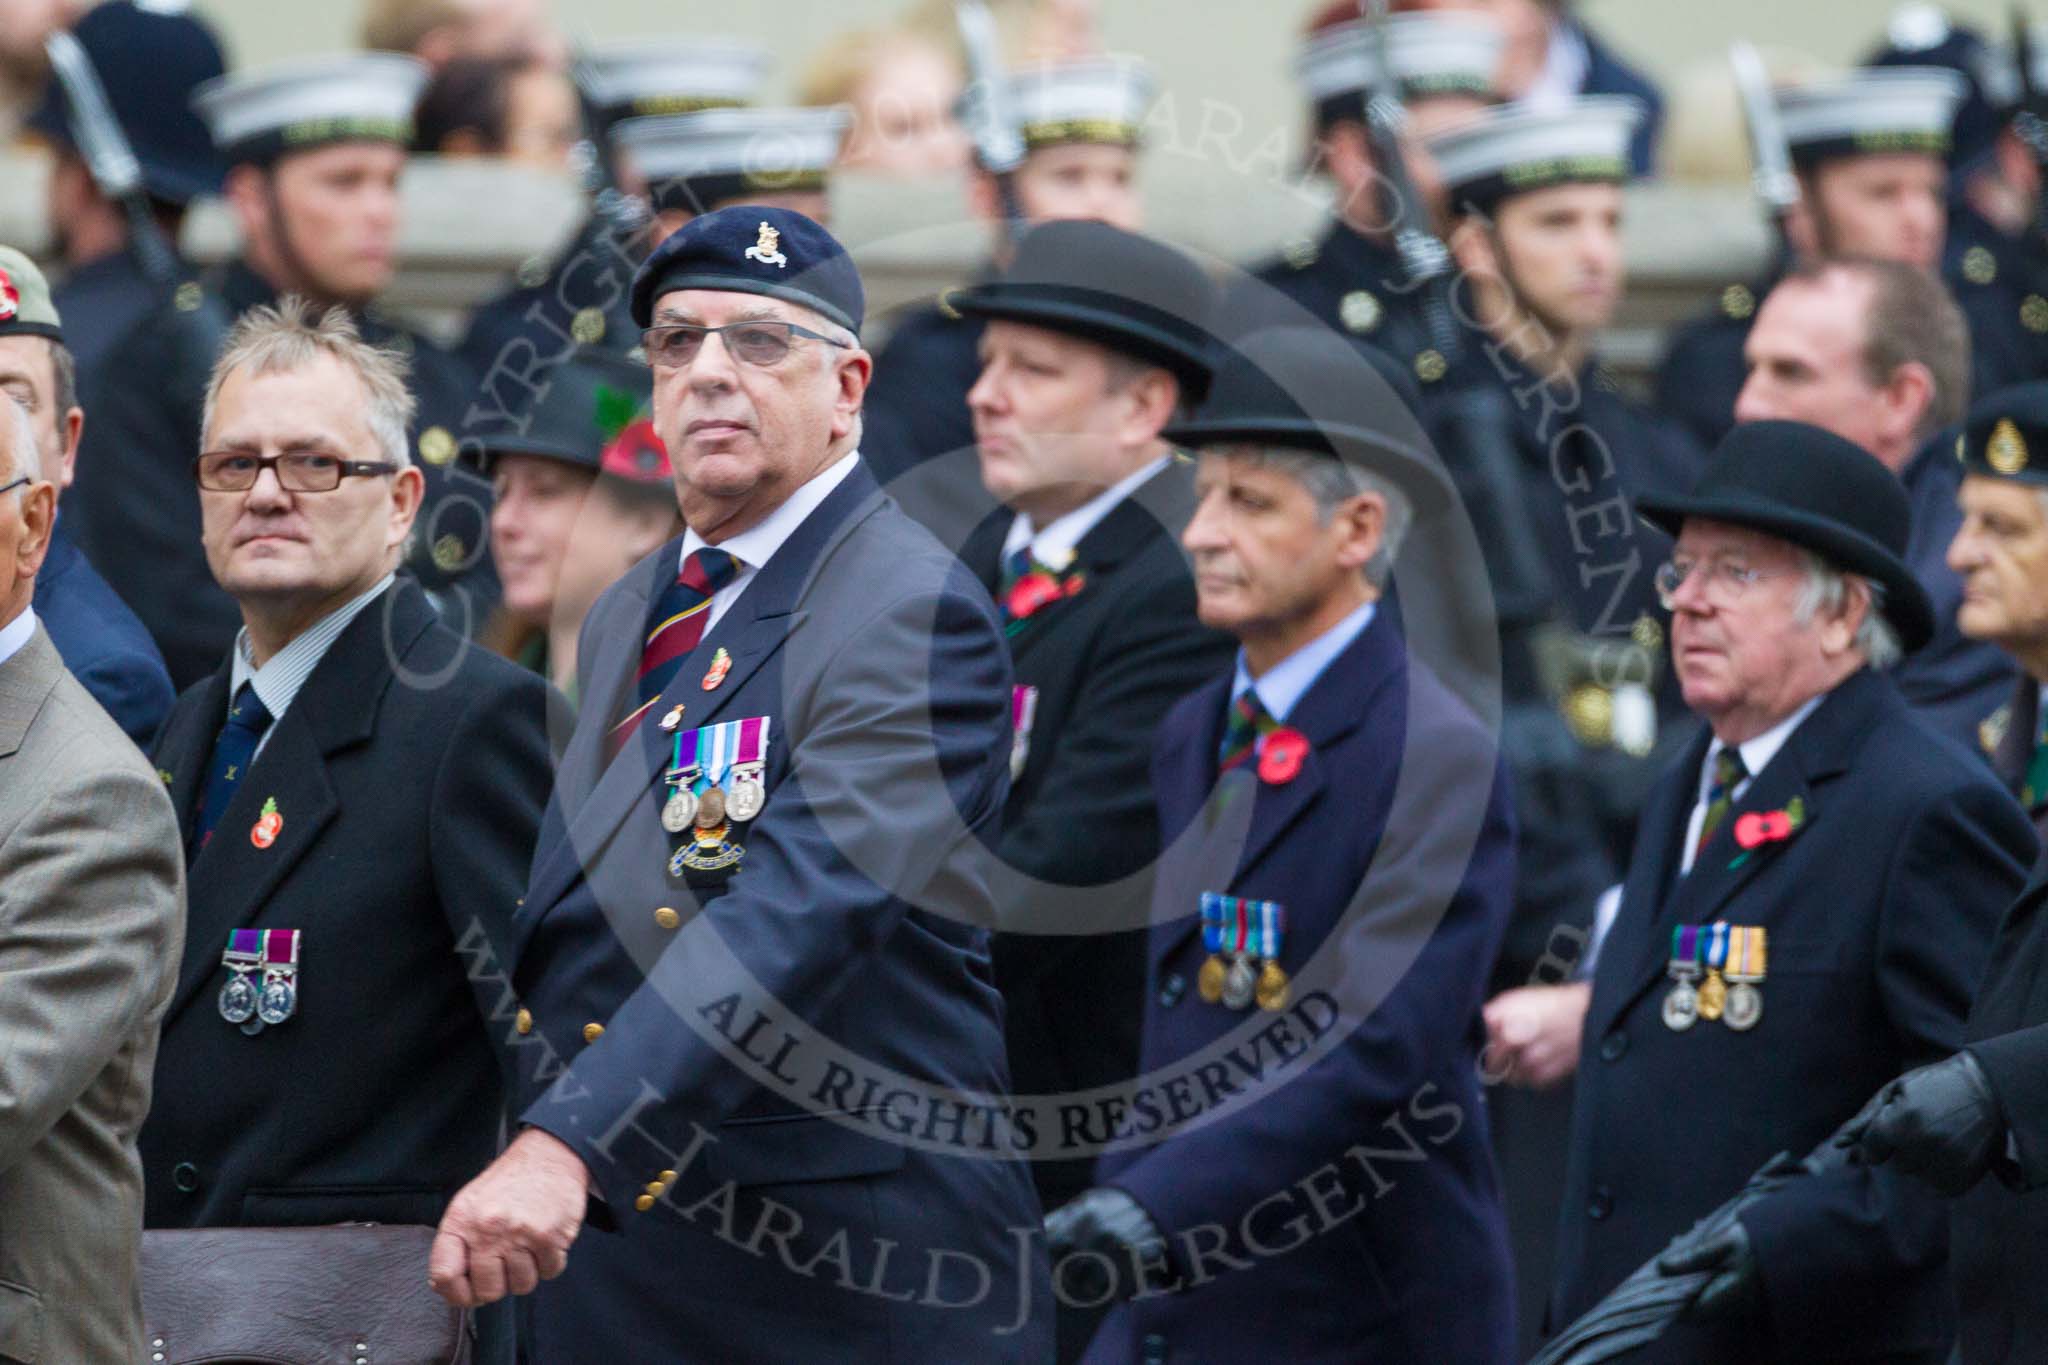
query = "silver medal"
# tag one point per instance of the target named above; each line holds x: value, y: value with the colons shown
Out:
x: 237, y: 999
x: 280, y: 998
x: 679, y: 811
x: 1745, y: 1006
x: 1682, y: 1007
x: 747, y: 796
x: 1239, y: 983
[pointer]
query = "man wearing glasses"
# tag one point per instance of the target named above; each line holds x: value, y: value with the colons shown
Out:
x: 767, y: 845
x: 358, y: 792
x: 1811, y: 901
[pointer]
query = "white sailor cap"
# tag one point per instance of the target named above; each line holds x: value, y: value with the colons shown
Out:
x: 262, y: 114
x: 648, y: 76
x: 1430, y: 54
x: 1880, y: 109
x: 1096, y: 99
x: 698, y: 161
x: 1511, y: 149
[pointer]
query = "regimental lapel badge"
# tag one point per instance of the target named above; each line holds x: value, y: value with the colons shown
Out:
x: 268, y: 824
x: 2006, y: 451
x: 670, y: 721
x: 1023, y: 710
x: 721, y: 664
x: 768, y: 248
x: 1236, y: 931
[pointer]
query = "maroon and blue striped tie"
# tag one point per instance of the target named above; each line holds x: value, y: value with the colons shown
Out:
x: 675, y: 625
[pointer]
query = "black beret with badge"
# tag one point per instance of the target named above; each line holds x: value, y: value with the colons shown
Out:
x: 697, y: 162
x: 258, y: 116
x: 1514, y: 149
x: 755, y: 249
x: 2006, y: 435
x: 1122, y: 290
x: 1822, y: 493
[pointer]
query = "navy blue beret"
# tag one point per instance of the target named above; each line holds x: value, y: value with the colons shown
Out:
x: 754, y: 249
x: 2006, y: 435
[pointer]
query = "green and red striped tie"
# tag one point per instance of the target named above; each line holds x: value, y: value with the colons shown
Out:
x: 675, y: 625
x: 1246, y: 721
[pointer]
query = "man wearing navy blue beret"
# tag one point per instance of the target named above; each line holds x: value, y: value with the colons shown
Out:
x: 757, y: 1038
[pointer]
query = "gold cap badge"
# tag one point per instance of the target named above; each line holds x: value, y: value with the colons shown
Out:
x: 767, y: 249
x: 2006, y: 451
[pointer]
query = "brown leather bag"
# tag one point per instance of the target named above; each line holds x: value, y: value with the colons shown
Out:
x: 353, y: 1292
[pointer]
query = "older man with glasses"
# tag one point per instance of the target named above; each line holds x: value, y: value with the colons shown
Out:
x: 359, y: 792
x: 769, y: 833
x: 1811, y: 901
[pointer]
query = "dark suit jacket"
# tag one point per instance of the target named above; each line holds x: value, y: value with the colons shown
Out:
x: 1395, y: 877
x: 410, y: 773
x: 2014, y: 749
x: 1080, y: 832
x: 103, y: 643
x: 1880, y: 912
x: 2000, y: 1229
x: 853, y: 926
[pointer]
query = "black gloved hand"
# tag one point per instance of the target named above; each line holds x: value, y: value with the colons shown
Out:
x: 1109, y: 1222
x: 1939, y: 1123
x: 1736, y: 1290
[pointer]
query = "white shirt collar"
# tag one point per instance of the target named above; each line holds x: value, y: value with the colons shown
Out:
x: 1054, y: 546
x: 1284, y: 684
x: 14, y: 636
x: 754, y: 547
x: 1758, y: 750
x: 278, y: 681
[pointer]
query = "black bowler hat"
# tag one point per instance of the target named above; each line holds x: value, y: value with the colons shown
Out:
x: 755, y: 249
x: 1819, y: 491
x: 2006, y: 435
x: 149, y: 61
x: 1308, y: 389
x: 591, y: 413
x: 1129, y: 293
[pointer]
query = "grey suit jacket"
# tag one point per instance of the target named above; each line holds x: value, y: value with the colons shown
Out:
x: 92, y: 908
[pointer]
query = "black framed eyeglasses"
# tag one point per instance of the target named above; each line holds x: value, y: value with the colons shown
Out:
x: 10, y: 487
x: 298, y: 471
x: 761, y: 341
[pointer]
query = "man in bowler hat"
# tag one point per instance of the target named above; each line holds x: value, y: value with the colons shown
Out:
x: 1812, y: 897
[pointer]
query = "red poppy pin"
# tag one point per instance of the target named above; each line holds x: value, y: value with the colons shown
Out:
x: 265, y: 831
x: 1280, y: 755
x: 1754, y: 829
x: 1037, y: 590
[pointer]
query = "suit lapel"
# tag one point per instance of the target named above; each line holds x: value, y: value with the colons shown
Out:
x: 1660, y: 836
x: 751, y: 631
x: 187, y: 747
x: 1821, y: 748
x: 232, y: 879
x: 1247, y: 816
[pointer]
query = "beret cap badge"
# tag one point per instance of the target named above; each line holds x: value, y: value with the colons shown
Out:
x: 2006, y: 451
x: 768, y: 249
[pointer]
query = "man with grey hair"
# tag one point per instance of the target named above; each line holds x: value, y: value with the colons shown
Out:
x: 1812, y: 898
x: 359, y: 792
x: 1878, y: 353
x: 1327, y: 904
x: 89, y: 923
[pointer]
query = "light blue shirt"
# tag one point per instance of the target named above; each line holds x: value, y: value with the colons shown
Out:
x: 279, y: 680
x: 14, y: 636
x: 1285, y: 682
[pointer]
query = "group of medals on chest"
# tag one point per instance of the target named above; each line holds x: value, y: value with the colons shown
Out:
x: 716, y: 780
x: 1717, y: 972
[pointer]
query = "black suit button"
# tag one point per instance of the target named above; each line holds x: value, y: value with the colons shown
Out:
x: 1171, y: 990
x: 1613, y: 1046
x: 185, y: 1176
x: 1600, y: 1205
x: 1155, y: 1349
